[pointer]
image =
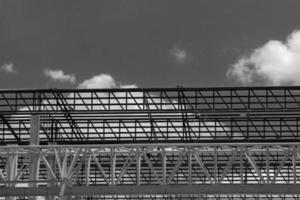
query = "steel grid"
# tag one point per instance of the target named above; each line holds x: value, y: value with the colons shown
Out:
x: 156, y: 100
x: 151, y: 115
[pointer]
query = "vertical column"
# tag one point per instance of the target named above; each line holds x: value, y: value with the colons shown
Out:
x: 12, y: 167
x: 138, y: 167
x: 34, y: 140
x: 216, y: 164
x: 88, y: 158
x: 164, y: 167
x: 190, y: 163
x: 34, y: 129
x: 268, y: 164
x: 113, y: 166
x: 241, y: 164
x: 52, y: 162
x: 294, y: 161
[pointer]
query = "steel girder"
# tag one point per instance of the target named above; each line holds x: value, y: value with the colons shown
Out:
x: 136, y: 100
x: 204, y: 168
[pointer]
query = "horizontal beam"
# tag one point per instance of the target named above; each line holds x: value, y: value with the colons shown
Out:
x: 152, y: 89
x: 268, y: 99
x: 156, y: 145
x: 91, y: 129
x: 257, y: 189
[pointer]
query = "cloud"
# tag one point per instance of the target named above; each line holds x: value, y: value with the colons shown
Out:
x: 274, y: 63
x: 179, y: 55
x: 129, y: 86
x: 8, y: 67
x: 59, y: 76
x: 102, y: 81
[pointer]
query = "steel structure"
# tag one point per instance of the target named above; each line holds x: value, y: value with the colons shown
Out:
x: 179, y: 143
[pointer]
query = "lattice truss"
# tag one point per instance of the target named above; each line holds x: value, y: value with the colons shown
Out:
x: 74, y: 170
x: 153, y: 164
x: 145, y: 115
x: 184, y: 143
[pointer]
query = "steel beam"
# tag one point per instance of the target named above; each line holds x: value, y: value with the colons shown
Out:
x: 255, y: 189
x: 34, y: 157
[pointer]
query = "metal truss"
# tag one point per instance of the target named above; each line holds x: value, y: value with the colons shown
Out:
x: 181, y: 169
x: 156, y: 100
x: 180, y: 143
x: 151, y: 115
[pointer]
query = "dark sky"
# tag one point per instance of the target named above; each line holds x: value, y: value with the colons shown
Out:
x: 132, y: 40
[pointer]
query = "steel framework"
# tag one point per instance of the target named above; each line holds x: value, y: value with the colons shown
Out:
x: 179, y: 143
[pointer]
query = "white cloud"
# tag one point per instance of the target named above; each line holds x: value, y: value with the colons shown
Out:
x: 274, y: 63
x: 8, y: 67
x: 59, y: 76
x: 128, y: 86
x: 178, y: 54
x: 102, y: 81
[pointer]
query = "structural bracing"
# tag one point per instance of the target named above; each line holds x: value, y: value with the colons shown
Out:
x: 181, y: 143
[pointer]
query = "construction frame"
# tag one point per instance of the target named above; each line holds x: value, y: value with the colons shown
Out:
x: 162, y: 143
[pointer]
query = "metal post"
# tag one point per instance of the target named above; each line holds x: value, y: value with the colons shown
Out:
x: 164, y: 167
x: 190, y: 162
x: 138, y: 167
x: 241, y: 164
x: 34, y: 129
x: 52, y: 162
x: 113, y: 167
x: 216, y: 165
x: 294, y: 160
x: 268, y: 164
x: 88, y: 158
x: 34, y: 140
x: 12, y: 166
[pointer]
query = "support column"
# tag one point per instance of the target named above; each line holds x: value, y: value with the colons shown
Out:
x: 268, y: 164
x: 12, y: 169
x: 52, y: 162
x: 294, y: 161
x: 216, y: 164
x: 190, y: 163
x: 34, y: 140
x: 138, y: 167
x: 34, y: 129
x: 113, y: 167
x: 164, y: 167
x: 241, y: 165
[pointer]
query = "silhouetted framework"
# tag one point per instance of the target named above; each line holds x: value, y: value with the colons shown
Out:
x: 179, y: 143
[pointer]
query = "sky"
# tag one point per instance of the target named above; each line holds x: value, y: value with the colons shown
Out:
x: 139, y: 43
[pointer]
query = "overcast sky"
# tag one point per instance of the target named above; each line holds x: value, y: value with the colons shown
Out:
x: 154, y: 43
